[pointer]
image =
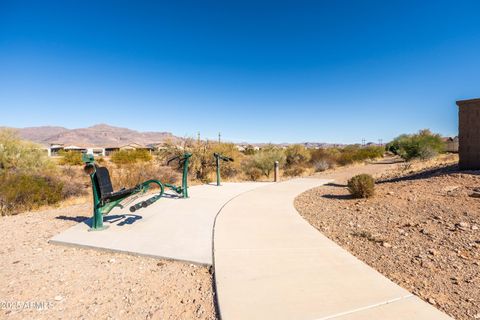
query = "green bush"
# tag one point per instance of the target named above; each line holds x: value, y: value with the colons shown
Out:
x: 323, y: 159
x: 71, y: 158
x: 361, y: 186
x: 22, y: 192
x: 22, y: 156
x: 264, y: 159
x: 252, y: 172
x: 29, y: 179
x: 131, y: 156
x: 355, y: 153
x: 423, y: 145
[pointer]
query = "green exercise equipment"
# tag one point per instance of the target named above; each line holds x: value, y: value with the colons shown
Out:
x: 219, y: 157
x: 105, y: 199
x: 183, y: 161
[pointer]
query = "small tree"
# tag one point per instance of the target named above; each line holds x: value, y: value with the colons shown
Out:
x: 22, y: 156
x: 131, y: 156
x: 422, y: 145
x: 264, y: 159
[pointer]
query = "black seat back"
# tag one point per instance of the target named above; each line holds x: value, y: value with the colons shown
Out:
x: 103, y: 181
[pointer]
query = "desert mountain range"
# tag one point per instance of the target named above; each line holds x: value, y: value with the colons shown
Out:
x: 100, y: 135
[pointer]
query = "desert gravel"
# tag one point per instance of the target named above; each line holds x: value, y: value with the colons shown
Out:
x: 421, y: 230
x: 74, y: 283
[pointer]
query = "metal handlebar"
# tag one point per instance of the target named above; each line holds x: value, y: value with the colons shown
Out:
x: 224, y: 158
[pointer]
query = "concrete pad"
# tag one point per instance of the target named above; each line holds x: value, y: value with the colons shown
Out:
x: 272, y: 264
x: 172, y: 228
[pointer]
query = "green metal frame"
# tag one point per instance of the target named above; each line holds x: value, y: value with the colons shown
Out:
x: 183, y: 162
x: 219, y: 157
x: 101, y: 207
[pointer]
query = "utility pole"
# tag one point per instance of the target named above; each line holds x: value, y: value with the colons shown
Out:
x: 363, y: 142
x: 198, y: 136
x: 380, y: 142
x: 219, y: 136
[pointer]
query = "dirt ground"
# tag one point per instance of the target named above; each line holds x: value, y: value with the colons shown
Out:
x: 44, y: 281
x: 421, y: 230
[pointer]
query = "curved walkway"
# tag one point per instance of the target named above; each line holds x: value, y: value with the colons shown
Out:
x: 171, y: 228
x: 271, y: 264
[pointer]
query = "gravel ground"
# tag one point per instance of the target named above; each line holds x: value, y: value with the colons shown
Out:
x: 421, y: 231
x: 73, y: 283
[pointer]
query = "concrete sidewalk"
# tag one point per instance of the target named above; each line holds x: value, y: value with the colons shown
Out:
x: 272, y: 264
x: 172, y: 228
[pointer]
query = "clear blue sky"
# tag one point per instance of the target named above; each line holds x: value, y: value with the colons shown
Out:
x: 260, y: 71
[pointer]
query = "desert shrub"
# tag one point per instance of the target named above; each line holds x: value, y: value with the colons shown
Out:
x: 422, y: 145
x: 131, y: 156
x: 355, y: 153
x: 21, y: 192
x: 75, y: 181
x: 361, y: 186
x: 71, y: 158
x: 133, y: 174
x: 346, y: 157
x: 252, y: 172
x: 74, y: 188
x: 323, y: 159
x: 202, y: 162
x: 321, y: 165
x: 227, y: 170
x: 264, y: 160
x: 296, y: 155
x: 369, y: 152
x: 294, y: 171
x: 326, y: 158
x: 29, y: 179
x: 22, y: 156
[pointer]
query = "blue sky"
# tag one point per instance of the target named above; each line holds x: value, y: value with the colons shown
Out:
x: 259, y: 71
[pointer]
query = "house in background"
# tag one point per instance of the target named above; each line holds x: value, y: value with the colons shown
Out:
x: 55, y: 149
x: 130, y: 146
x: 75, y: 149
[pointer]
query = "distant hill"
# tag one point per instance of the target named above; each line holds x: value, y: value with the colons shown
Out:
x: 100, y: 135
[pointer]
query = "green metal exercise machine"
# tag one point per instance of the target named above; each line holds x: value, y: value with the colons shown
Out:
x: 219, y: 157
x: 182, y: 163
x: 105, y: 199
